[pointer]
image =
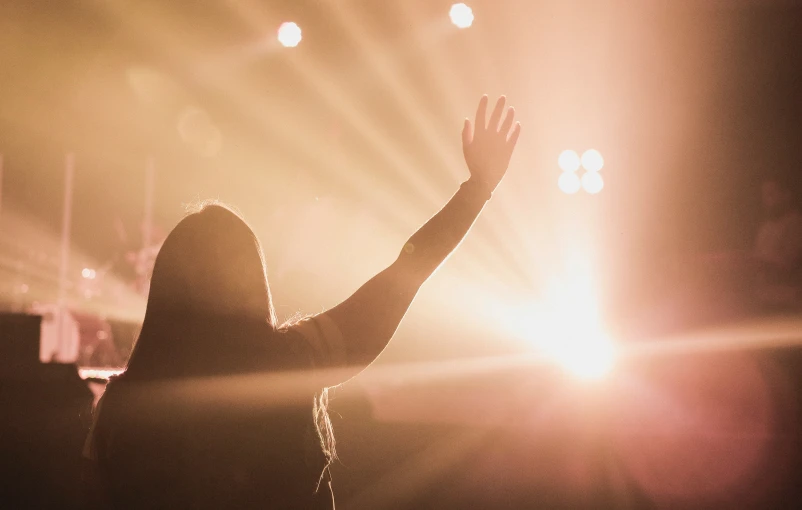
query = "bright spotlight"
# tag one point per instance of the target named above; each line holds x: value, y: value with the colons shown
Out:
x: 565, y: 324
x: 568, y: 161
x: 569, y: 183
x: 461, y: 15
x: 589, y: 360
x: 289, y: 34
x: 592, y: 160
x: 592, y: 182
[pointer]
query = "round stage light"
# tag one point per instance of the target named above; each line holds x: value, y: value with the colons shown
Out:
x: 569, y: 183
x: 592, y: 160
x: 568, y: 161
x: 461, y: 15
x: 592, y: 182
x: 289, y: 34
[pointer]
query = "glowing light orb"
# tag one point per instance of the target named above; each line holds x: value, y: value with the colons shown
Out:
x: 592, y: 182
x: 89, y: 274
x: 568, y: 161
x: 592, y: 160
x: 289, y: 34
x: 565, y: 324
x: 461, y: 15
x: 198, y: 131
x: 569, y: 183
x: 588, y: 359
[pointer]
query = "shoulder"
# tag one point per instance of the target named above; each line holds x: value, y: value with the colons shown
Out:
x: 323, y: 336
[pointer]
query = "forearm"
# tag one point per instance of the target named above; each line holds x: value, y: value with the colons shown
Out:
x: 437, y: 238
x: 369, y: 318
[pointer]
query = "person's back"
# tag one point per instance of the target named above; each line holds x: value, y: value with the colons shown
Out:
x: 189, y: 447
x: 237, y: 434
x: 778, y: 246
x: 779, y: 241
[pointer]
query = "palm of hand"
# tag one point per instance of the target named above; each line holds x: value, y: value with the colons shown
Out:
x: 488, y: 146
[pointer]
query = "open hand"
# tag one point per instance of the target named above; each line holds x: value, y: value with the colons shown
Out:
x: 488, y: 145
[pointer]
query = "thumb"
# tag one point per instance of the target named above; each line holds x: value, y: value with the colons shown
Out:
x: 466, y: 133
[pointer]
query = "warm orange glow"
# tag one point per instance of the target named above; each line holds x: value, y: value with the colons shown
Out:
x: 566, y: 324
x: 199, y: 132
x: 571, y: 333
x: 588, y: 358
x: 98, y: 373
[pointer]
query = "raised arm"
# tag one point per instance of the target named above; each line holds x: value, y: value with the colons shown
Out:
x: 368, y: 319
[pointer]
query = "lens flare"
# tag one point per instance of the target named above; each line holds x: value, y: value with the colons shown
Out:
x: 566, y: 325
x: 589, y: 358
x: 568, y: 161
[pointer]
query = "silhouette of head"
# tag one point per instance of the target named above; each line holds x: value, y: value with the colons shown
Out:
x: 775, y: 196
x: 211, y: 264
x: 209, y: 300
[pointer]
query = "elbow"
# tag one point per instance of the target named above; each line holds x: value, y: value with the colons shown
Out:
x: 412, y: 270
x: 363, y: 351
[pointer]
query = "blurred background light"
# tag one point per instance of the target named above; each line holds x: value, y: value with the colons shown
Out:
x: 461, y: 15
x: 568, y: 161
x: 592, y: 182
x: 569, y: 183
x: 88, y: 273
x: 198, y: 131
x: 592, y: 160
x: 289, y: 34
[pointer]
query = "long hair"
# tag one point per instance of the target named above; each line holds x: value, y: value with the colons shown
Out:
x: 210, y: 310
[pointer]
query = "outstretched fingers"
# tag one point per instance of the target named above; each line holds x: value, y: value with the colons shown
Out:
x: 507, y: 124
x: 467, y: 135
x: 513, y: 139
x: 495, y: 117
x: 481, y: 112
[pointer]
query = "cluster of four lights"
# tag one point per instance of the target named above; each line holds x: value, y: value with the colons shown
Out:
x: 570, y: 162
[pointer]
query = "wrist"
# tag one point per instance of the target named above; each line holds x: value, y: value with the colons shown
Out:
x: 478, y: 188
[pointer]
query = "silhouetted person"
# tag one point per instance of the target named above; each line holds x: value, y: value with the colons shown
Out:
x: 778, y: 246
x: 220, y: 407
x: 728, y: 285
